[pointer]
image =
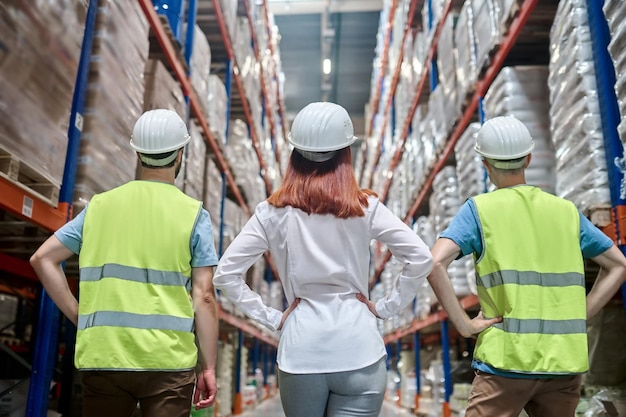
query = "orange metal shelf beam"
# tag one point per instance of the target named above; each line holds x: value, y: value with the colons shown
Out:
x: 17, y: 201
x: 418, y: 94
x: 245, y: 326
x: 482, y: 85
x: 417, y: 325
x: 17, y: 267
x: 181, y: 75
x: 266, y: 99
x: 242, y: 91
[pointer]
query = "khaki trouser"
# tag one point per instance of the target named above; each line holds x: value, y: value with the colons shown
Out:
x: 497, y: 396
x: 116, y: 393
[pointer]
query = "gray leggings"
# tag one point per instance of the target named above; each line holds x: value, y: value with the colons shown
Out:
x: 338, y: 394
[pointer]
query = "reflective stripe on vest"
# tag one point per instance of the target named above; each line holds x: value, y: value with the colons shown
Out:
x: 144, y: 275
x: 137, y: 321
x: 135, y: 310
x: 531, y: 273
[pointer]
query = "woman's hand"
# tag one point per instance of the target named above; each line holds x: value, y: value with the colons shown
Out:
x: 287, y: 312
x: 370, y: 304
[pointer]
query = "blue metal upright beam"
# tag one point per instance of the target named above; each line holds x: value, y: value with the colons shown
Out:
x: 48, y: 318
x: 192, y: 11
x: 609, y: 112
x: 447, y: 374
x: 229, y: 92
x: 418, y: 369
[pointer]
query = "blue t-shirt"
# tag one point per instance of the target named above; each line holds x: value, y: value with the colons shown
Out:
x: 465, y: 230
x: 202, y: 244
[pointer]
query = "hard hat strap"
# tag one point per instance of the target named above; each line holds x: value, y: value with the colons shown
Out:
x: 512, y: 164
x: 316, y: 156
x: 146, y: 159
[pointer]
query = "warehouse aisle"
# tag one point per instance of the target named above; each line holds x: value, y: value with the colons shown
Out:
x: 272, y: 408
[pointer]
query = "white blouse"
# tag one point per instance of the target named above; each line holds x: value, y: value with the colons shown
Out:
x: 325, y: 261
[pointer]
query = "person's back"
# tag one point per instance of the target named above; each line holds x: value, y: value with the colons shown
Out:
x: 143, y: 248
x: 531, y: 273
x: 528, y: 248
x: 135, y: 268
x: 318, y: 227
x: 324, y: 261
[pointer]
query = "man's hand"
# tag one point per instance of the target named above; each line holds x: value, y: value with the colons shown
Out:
x: 478, y: 324
x: 206, y: 389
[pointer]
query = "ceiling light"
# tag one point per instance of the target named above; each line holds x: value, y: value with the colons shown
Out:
x: 326, y: 66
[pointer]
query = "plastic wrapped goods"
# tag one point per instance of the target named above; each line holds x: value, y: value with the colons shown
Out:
x: 523, y: 92
x: 162, y: 91
x: 200, y: 64
x: 581, y: 170
x: 616, y: 17
x: 245, y: 163
x: 195, y: 160
x: 39, y: 52
x: 218, y: 106
x: 470, y: 171
x: 486, y: 29
x: 466, y: 54
x: 114, y: 99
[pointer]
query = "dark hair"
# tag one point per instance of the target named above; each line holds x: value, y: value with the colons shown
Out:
x: 322, y: 187
x: 159, y: 156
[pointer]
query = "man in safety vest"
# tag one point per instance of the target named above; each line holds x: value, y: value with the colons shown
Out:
x: 146, y: 257
x: 528, y: 247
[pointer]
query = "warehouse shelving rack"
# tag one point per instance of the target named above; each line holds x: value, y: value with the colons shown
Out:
x: 614, y: 153
x: 387, y: 115
x: 28, y: 207
x: 526, y: 7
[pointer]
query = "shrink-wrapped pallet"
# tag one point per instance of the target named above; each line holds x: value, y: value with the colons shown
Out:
x: 195, y: 161
x: 161, y: 90
x: 39, y: 52
x: 114, y: 99
x: 576, y: 126
x: 469, y: 167
x: 616, y: 17
x: 200, y: 64
x: 218, y: 108
x: 522, y: 92
x: 245, y: 163
x: 465, y: 53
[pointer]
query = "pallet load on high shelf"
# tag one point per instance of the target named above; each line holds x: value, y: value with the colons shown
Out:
x: 191, y: 178
x: 523, y: 92
x: 576, y: 126
x: 200, y: 66
x: 161, y: 90
x: 114, y: 101
x: 218, y: 108
x: 245, y: 163
x: 39, y: 53
x: 616, y: 16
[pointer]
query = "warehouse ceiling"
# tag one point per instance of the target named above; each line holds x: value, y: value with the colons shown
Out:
x: 343, y: 31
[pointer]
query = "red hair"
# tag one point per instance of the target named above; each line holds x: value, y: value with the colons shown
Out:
x: 322, y: 187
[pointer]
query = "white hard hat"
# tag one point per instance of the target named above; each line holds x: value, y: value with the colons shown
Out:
x: 319, y: 128
x: 504, y: 138
x: 159, y: 131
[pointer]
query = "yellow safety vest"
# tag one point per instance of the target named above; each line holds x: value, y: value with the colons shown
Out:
x: 135, y: 310
x: 531, y: 273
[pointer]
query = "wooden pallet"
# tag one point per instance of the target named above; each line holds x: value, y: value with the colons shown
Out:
x: 28, y: 178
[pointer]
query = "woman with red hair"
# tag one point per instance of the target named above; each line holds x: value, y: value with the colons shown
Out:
x: 318, y: 227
